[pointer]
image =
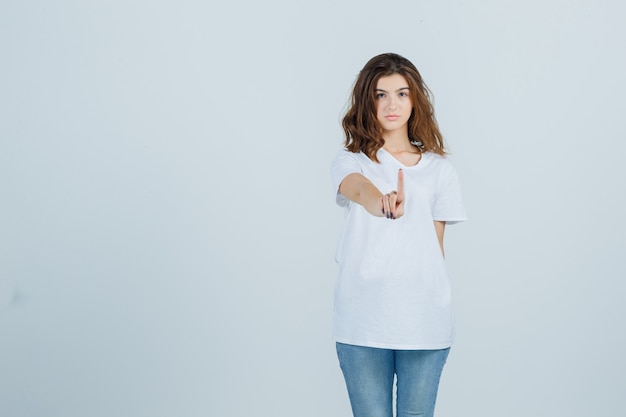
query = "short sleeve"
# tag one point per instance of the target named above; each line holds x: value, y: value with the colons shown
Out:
x: 345, y: 163
x: 448, y: 202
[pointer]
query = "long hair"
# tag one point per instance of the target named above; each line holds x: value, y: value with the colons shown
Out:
x: 362, y: 129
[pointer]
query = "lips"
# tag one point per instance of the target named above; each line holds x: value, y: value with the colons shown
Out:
x: 392, y: 117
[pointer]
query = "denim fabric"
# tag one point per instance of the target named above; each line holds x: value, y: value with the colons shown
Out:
x: 369, y: 374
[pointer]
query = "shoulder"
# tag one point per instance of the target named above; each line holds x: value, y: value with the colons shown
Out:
x: 441, y: 167
x: 438, y: 162
x: 344, y: 153
x: 345, y: 156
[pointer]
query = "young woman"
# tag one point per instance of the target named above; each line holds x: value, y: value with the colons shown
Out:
x: 392, y: 300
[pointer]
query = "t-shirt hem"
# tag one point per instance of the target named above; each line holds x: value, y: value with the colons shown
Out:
x: 450, y: 220
x: 396, y: 346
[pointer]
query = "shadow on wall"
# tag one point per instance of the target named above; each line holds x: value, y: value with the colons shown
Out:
x: 9, y: 294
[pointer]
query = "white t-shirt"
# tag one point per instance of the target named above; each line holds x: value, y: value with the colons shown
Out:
x: 393, y: 289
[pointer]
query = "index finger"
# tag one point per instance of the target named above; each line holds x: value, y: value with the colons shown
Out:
x: 400, y: 183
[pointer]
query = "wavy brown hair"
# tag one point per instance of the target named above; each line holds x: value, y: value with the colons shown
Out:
x: 363, y: 131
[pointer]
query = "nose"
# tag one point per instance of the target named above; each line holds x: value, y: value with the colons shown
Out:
x: 393, y: 103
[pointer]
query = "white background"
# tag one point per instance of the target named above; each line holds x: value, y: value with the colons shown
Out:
x: 167, y: 223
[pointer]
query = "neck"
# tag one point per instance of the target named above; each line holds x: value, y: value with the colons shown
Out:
x: 397, y: 142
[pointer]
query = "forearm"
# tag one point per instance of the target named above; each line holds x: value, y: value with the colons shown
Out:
x: 357, y: 188
x: 440, y: 227
x: 370, y: 198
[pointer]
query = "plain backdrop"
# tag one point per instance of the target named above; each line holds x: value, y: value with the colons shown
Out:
x: 168, y: 227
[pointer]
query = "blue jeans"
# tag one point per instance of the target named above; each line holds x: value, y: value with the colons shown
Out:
x: 369, y: 374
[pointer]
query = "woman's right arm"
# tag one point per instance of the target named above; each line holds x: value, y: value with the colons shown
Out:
x: 357, y: 188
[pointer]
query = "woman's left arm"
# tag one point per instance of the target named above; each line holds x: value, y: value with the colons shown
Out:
x: 439, y: 228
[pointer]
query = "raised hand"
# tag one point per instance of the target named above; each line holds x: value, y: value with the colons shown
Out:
x: 393, y: 202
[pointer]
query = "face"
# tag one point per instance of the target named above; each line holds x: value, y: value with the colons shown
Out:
x: 393, y: 103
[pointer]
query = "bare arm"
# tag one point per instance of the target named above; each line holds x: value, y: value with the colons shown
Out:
x: 439, y: 228
x: 357, y: 188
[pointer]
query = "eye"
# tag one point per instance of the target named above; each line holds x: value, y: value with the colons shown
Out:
x: 404, y: 94
x: 380, y: 95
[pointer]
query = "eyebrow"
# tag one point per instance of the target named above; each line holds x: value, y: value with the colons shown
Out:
x: 385, y: 91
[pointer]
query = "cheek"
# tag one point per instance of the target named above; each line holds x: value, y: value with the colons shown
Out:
x: 379, y: 109
x: 409, y: 109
